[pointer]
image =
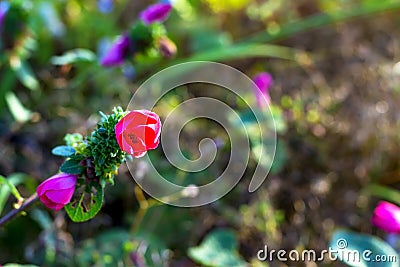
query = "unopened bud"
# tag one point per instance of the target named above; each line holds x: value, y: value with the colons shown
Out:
x: 167, y: 47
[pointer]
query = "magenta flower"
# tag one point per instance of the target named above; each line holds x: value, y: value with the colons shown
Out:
x: 117, y: 53
x: 4, y: 6
x: 263, y: 83
x: 57, y: 191
x: 387, y: 217
x: 156, y: 13
x: 138, y: 132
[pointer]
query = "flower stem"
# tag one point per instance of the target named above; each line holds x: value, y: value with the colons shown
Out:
x: 143, y: 206
x: 29, y: 202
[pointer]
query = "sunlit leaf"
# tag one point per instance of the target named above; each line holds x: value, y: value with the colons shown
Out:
x: 63, y: 151
x: 9, y: 187
x: 384, y: 192
x: 24, y: 73
x: 219, y: 249
x: 74, y: 56
x: 17, y: 109
x: 361, y: 250
x: 245, y: 51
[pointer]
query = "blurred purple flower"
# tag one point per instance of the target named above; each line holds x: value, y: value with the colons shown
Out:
x: 137, y: 259
x: 128, y: 71
x: 4, y: 6
x: 387, y: 217
x: 117, y: 53
x: 156, y: 13
x: 105, y: 6
x: 263, y: 83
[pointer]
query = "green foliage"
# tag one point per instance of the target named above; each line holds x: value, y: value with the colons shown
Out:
x: 144, y: 39
x: 219, y: 249
x: 347, y: 242
x: 63, y: 151
x: 73, y: 165
x: 103, y: 147
x: 74, y: 56
x: 51, y: 82
x: 95, y: 160
x: 383, y: 192
x: 116, y: 246
x: 17, y: 109
x: 24, y: 73
x: 9, y: 188
x: 86, y: 203
x: 19, y: 265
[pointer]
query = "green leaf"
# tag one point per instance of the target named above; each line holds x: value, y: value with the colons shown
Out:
x: 11, y: 187
x: 72, y: 166
x: 11, y: 182
x: 245, y: 51
x: 42, y: 218
x: 353, y: 249
x: 74, y: 56
x: 264, y: 159
x: 8, y: 81
x: 15, y: 179
x: 219, y: 249
x: 87, y: 205
x: 24, y: 73
x: 19, y: 265
x: 19, y: 112
x: 63, y: 151
x: 111, y: 246
x: 384, y: 192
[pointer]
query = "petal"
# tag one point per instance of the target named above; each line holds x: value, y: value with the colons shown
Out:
x: 60, y: 197
x: 57, y: 182
x: 116, y: 54
x: 263, y: 82
x: 139, y: 154
x: 156, y: 13
x: 48, y: 203
x: 134, y: 140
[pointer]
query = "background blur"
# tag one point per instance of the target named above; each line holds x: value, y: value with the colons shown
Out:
x: 335, y: 98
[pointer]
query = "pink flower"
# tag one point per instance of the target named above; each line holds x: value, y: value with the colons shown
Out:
x: 387, y: 217
x: 57, y: 191
x: 156, y: 13
x: 138, y: 132
x: 263, y: 83
x: 117, y: 53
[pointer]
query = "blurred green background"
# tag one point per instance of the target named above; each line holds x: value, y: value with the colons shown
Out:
x: 335, y: 99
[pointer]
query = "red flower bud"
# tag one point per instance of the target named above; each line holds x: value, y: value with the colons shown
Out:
x: 166, y: 47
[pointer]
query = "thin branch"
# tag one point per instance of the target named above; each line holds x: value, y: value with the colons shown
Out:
x: 29, y: 202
